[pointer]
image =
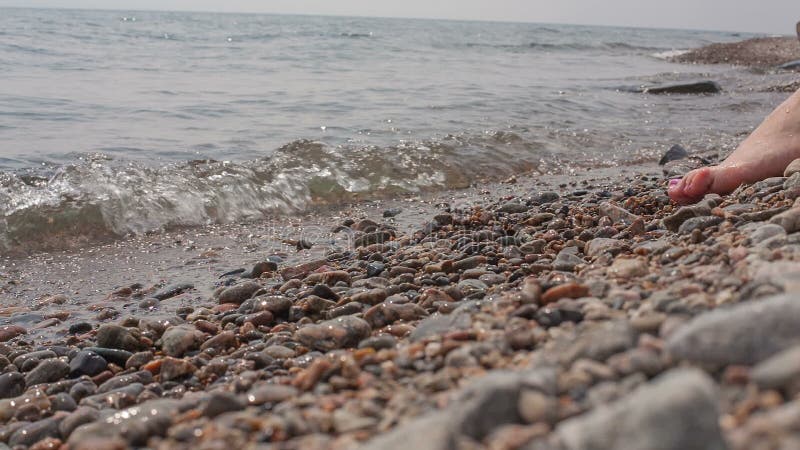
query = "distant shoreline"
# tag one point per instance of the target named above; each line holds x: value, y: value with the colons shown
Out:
x: 765, y: 52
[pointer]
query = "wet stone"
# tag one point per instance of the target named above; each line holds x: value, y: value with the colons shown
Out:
x: 86, y: 363
x: 675, y: 153
x: 63, y: 402
x: 342, y: 332
x: 8, y: 332
x: 12, y: 384
x: 80, y: 416
x: 173, y: 368
x: 138, y: 360
x: 47, y: 371
x: 180, y: 339
x: 172, y: 291
x: 239, y: 293
x: 80, y: 328
x: 28, y: 361
x: 277, y: 305
x: 270, y: 393
x: 441, y: 324
x: 220, y: 403
x: 384, y: 341
x: 34, y: 432
x: 141, y: 377
x: 221, y: 342
x: 115, y: 336
x: 118, y: 357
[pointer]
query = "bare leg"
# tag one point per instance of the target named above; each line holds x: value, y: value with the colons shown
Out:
x: 765, y: 153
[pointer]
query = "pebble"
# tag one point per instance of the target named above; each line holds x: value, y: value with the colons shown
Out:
x: 32, y: 433
x: 677, y: 412
x: 617, y: 214
x: 778, y: 371
x: 86, y: 363
x: 628, y: 268
x: 674, y: 221
x: 789, y: 220
x: 699, y: 223
x: 220, y: 403
x: 180, y: 339
x: 174, y: 368
x: 12, y: 384
x: 117, y: 337
x: 270, y: 393
x: 744, y: 334
x: 8, y: 332
x: 598, y: 246
x: 567, y: 290
x: 48, y: 371
x: 342, y: 332
x: 792, y: 168
x: 238, y: 293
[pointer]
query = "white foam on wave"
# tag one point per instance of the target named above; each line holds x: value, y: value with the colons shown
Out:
x: 669, y: 54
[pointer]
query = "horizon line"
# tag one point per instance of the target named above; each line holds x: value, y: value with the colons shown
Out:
x: 263, y: 13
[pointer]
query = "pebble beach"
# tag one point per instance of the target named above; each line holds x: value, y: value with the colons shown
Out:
x: 571, y: 311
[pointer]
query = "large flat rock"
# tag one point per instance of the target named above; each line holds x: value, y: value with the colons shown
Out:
x: 676, y: 412
x: 744, y: 334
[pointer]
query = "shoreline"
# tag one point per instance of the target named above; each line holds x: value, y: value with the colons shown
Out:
x: 546, y: 299
x: 756, y: 53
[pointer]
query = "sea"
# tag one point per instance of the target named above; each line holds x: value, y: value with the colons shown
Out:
x: 119, y: 123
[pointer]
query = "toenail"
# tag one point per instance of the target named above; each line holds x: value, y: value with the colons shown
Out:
x: 674, y: 182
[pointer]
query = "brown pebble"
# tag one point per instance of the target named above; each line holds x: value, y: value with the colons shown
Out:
x: 49, y: 443
x: 309, y: 377
x: 736, y: 375
x: 206, y: 326
x: 9, y: 332
x: 568, y: 290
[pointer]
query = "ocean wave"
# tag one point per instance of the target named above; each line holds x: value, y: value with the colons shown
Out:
x: 565, y: 46
x: 103, y: 198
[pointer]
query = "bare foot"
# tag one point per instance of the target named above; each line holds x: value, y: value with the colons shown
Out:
x: 765, y: 153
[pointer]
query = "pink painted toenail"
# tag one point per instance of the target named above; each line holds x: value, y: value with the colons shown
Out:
x: 673, y: 183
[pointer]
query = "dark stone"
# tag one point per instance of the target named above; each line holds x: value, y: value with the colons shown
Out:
x: 34, y: 432
x: 699, y: 223
x: 12, y: 384
x: 791, y: 65
x: 172, y: 290
x: 377, y: 237
x: 80, y: 328
x: 342, y: 332
x: 117, y: 337
x: 220, y: 403
x: 116, y: 356
x: 699, y: 87
x: 674, y: 153
x: 47, y: 371
x: 87, y: 363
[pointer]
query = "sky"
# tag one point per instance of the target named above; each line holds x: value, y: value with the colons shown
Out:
x: 763, y: 16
